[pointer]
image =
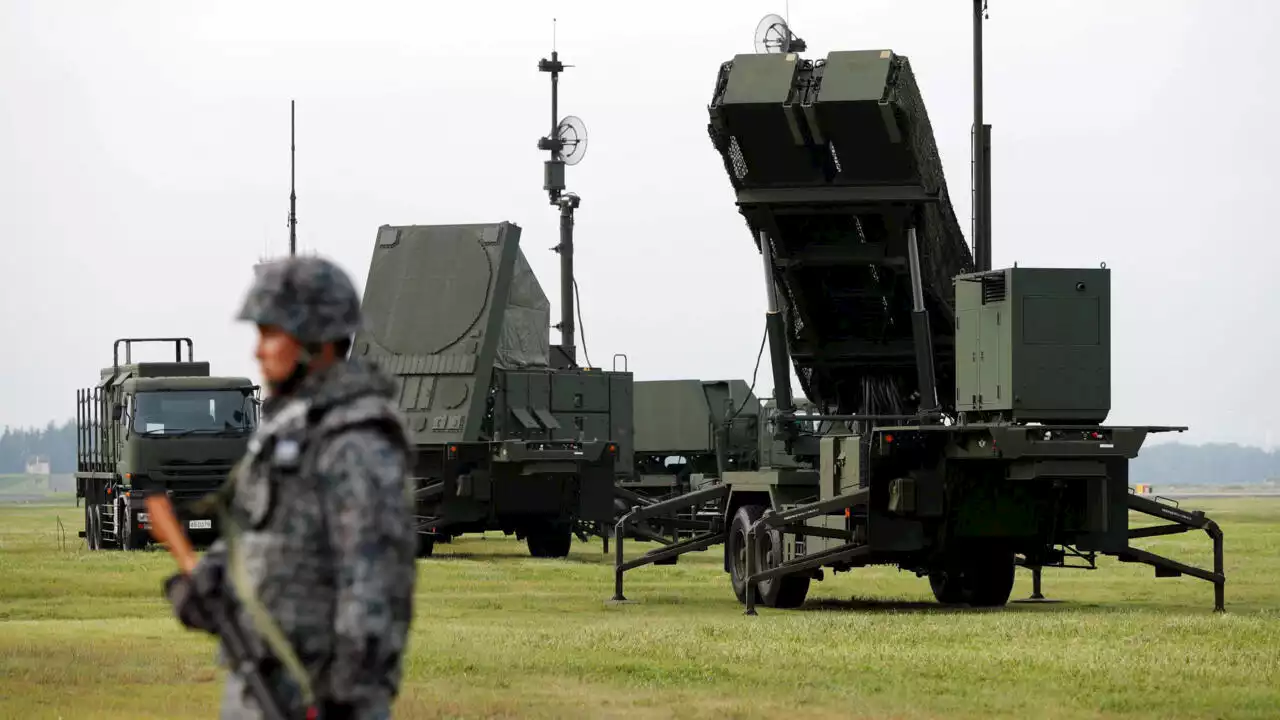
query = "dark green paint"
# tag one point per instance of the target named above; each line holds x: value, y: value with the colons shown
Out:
x: 836, y: 172
x: 1033, y: 344
x: 506, y: 440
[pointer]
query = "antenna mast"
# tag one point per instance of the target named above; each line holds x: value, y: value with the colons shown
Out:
x: 566, y: 143
x: 293, y: 197
x: 981, y: 139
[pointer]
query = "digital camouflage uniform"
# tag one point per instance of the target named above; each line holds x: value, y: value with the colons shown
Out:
x: 320, y: 508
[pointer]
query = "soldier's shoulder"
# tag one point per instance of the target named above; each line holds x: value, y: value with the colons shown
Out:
x: 360, y: 453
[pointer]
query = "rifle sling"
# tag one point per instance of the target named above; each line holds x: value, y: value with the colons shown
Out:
x: 263, y: 623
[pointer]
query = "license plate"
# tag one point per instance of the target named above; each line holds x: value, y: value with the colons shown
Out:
x: 200, y: 525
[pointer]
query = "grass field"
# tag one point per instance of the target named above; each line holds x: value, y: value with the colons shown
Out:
x: 497, y: 634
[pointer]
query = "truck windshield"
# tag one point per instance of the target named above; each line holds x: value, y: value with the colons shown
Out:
x: 183, y: 412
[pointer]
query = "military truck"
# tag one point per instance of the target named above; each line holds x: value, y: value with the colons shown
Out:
x: 677, y: 425
x: 683, y: 430
x: 687, y: 434
x: 505, y: 439
x: 958, y: 431
x: 156, y: 428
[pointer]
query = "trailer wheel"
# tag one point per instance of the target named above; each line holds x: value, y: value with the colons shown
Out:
x: 735, y: 549
x: 426, y: 545
x: 992, y: 579
x: 550, y: 540
x: 978, y: 577
x: 946, y: 587
x: 788, y: 591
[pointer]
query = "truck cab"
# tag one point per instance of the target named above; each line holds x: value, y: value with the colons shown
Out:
x: 157, y: 428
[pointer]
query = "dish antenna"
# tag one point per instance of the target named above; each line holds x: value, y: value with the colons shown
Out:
x: 774, y: 36
x: 571, y: 135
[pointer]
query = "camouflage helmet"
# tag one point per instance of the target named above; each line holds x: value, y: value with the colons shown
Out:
x: 308, y: 297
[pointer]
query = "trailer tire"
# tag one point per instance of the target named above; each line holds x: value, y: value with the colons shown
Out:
x: 735, y: 549
x: 946, y: 587
x: 978, y: 577
x: 787, y: 591
x: 992, y: 579
x: 426, y: 545
x: 551, y: 540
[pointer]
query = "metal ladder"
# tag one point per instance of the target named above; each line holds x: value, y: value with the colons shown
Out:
x: 108, y: 525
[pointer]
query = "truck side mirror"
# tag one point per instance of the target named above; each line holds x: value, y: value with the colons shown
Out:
x: 117, y: 412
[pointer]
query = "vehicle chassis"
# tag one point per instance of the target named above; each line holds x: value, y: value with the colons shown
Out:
x: 872, y: 535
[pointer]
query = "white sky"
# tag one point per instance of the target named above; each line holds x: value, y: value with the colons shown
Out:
x: 144, y: 168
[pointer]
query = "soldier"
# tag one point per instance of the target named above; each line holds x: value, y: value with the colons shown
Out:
x: 318, y: 540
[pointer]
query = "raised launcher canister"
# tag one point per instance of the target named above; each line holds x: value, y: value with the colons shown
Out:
x: 504, y: 441
x: 924, y: 452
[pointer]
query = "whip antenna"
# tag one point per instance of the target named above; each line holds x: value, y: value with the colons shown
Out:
x: 293, y: 196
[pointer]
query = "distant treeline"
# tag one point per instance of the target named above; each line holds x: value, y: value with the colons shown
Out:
x: 1160, y: 465
x: 54, y: 442
x: 1175, y: 464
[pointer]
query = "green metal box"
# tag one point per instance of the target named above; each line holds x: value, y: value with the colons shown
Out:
x: 1034, y: 344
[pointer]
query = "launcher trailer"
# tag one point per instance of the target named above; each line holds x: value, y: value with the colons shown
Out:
x: 957, y: 429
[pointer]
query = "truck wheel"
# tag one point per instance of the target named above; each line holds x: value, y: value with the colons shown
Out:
x: 736, y: 549
x: 131, y: 538
x: 88, y: 526
x: 124, y: 528
x: 94, y: 523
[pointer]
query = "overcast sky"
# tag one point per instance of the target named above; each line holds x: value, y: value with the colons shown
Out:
x: 144, y: 168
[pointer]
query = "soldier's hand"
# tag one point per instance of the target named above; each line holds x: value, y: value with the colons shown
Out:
x: 193, y: 608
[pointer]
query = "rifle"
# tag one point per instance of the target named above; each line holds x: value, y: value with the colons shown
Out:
x: 165, y: 529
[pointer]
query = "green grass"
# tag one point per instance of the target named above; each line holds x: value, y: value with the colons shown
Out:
x: 498, y: 634
x: 20, y: 484
x: 29, y: 488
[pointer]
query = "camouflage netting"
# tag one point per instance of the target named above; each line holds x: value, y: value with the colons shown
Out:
x: 526, y: 340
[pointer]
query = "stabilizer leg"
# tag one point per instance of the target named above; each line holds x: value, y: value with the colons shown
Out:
x: 1035, y: 583
x: 1180, y: 521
